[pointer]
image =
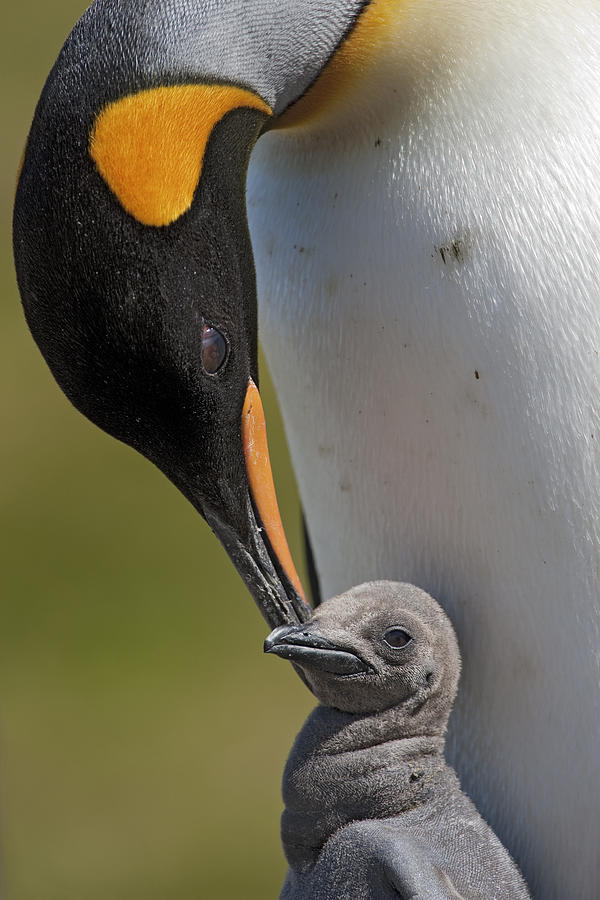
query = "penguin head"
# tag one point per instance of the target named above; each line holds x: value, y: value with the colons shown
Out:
x: 142, y: 299
x: 131, y: 241
x: 379, y: 646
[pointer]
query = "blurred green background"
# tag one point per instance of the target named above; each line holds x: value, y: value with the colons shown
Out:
x: 142, y: 732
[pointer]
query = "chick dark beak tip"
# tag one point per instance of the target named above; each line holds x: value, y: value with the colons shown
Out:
x: 271, y: 641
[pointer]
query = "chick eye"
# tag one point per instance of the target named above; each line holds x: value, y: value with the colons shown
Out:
x: 397, y: 637
x: 214, y: 349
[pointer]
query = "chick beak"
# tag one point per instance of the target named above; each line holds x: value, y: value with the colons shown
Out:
x: 304, y: 646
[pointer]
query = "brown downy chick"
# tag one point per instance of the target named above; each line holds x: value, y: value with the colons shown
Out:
x: 372, y: 808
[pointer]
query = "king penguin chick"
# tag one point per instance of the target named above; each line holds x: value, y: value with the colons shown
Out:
x: 372, y: 810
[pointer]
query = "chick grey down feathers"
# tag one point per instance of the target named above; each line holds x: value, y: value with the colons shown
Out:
x: 372, y: 810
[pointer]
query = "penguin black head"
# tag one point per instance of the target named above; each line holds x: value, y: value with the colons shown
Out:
x: 144, y: 306
x: 378, y: 646
x: 132, y: 249
x: 151, y: 331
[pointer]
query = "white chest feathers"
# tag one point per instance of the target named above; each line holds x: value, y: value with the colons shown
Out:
x: 428, y: 278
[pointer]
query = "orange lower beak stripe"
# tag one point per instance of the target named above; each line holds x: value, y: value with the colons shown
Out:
x: 260, y: 478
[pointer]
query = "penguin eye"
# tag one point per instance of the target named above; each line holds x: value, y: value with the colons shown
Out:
x: 397, y: 637
x: 214, y: 349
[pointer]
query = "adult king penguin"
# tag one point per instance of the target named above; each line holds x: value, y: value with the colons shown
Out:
x: 423, y: 213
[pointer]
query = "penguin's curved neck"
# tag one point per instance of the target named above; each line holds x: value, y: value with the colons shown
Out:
x: 346, y: 767
x: 275, y: 50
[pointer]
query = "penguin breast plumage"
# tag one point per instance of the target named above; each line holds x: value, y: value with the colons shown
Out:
x: 428, y: 293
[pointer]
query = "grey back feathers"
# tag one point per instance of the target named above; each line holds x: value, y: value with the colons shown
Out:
x: 372, y: 810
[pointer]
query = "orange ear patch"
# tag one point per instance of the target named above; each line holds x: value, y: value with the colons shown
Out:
x: 149, y: 147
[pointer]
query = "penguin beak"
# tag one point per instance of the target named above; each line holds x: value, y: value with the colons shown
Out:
x: 304, y: 646
x: 254, y: 536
